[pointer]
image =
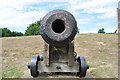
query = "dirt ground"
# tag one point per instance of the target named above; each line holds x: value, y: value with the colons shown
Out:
x: 100, y: 50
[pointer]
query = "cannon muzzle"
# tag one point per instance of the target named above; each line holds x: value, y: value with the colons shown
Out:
x: 58, y: 28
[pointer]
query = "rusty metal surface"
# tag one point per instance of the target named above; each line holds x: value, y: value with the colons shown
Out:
x: 53, y: 67
x: 59, y: 38
x: 58, y: 54
x: 46, y: 54
x: 71, y: 54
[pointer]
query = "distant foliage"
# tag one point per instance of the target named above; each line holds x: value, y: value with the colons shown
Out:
x: 16, y: 33
x: 101, y: 30
x: 5, y: 32
x: 33, y: 29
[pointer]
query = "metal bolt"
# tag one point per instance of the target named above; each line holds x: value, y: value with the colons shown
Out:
x: 58, y: 67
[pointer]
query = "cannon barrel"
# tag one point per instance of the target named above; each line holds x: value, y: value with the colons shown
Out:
x: 58, y: 28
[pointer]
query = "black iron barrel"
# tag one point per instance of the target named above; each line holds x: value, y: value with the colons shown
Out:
x: 58, y: 28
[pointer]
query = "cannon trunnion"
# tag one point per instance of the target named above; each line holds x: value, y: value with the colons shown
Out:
x: 58, y: 29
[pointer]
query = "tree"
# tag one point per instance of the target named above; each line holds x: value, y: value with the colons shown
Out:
x: 16, y: 33
x: 33, y: 29
x: 7, y: 33
x: 101, y: 30
x: 0, y: 32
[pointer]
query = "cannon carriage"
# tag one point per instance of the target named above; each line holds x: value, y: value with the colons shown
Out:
x: 58, y: 29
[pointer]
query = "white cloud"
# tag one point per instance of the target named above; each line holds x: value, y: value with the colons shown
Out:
x: 13, y: 18
x: 91, y: 4
x: 13, y: 14
x: 83, y: 21
x: 110, y: 30
x: 102, y: 24
x: 110, y: 14
x: 107, y: 7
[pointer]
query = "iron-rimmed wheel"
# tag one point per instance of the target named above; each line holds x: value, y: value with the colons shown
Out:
x: 33, y: 65
x: 82, y: 67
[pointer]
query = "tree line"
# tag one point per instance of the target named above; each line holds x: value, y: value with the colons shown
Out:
x: 7, y: 33
x: 32, y: 29
x: 102, y: 31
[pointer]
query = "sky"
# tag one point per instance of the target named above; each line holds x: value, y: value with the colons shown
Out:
x: 91, y: 15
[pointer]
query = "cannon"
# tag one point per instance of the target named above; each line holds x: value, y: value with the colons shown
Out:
x: 58, y: 29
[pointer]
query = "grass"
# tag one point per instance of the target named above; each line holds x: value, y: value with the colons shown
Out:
x: 102, y: 72
x: 102, y: 58
x: 100, y: 51
x: 12, y: 72
x: 93, y: 63
x: 30, y: 54
x: 103, y: 50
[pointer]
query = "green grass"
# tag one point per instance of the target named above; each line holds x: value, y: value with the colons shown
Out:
x: 103, y: 50
x: 0, y: 74
x: 102, y: 72
x: 93, y: 64
x: 12, y: 72
x: 101, y: 58
x: 29, y: 54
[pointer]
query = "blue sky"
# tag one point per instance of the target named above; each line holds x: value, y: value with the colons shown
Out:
x: 90, y: 15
